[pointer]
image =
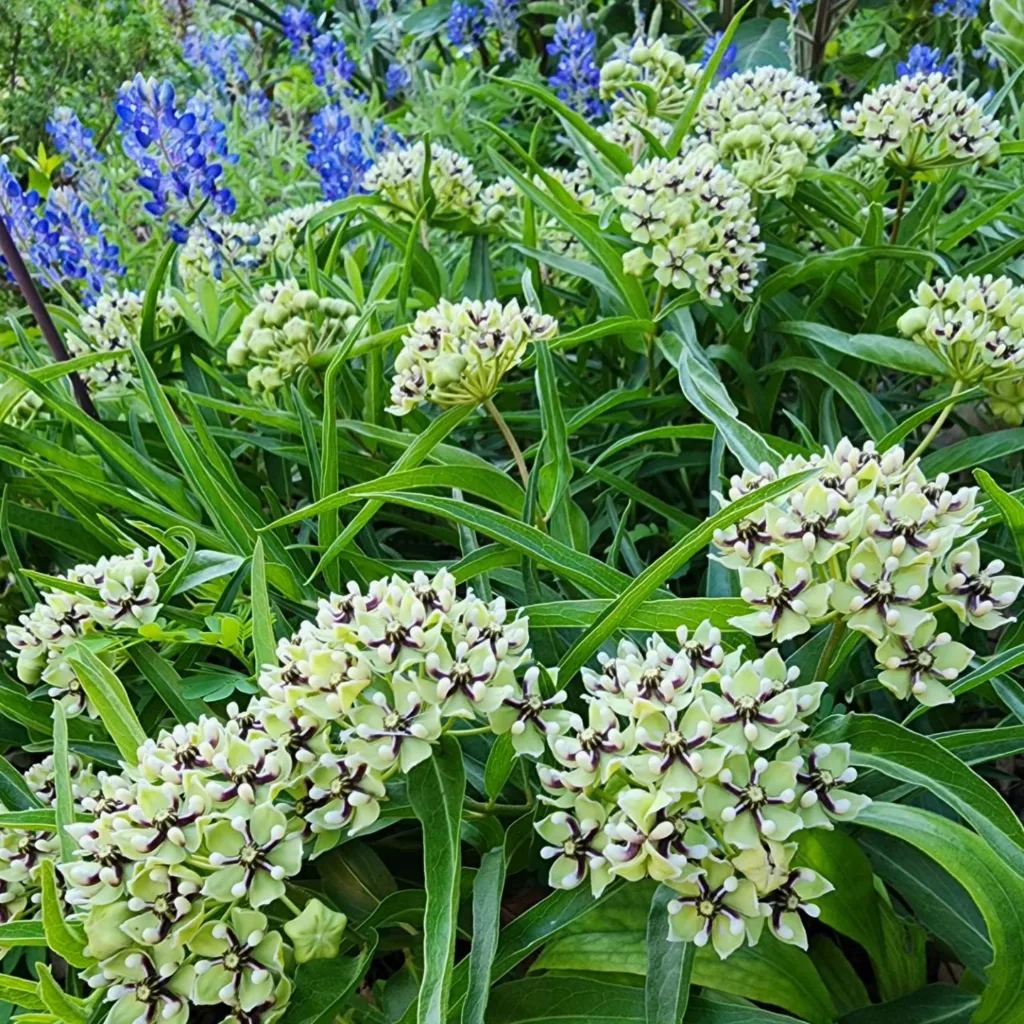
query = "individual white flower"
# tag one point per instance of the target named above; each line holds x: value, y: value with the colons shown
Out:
x: 922, y: 664
x: 529, y: 717
x: 789, y: 600
x: 577, y: 841
x: 821, y: 785
x: 458, y: 354
x: 401, y: 730
x: 783, y: 906
x: 923, y: 122
x: 979, y: 594
x: 695, y: 224
x: 765, y: 123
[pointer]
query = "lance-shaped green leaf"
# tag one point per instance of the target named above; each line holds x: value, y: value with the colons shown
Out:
x: 64, y: 801
x: 669, y: 965
x: 65, y: 1008
x: 65, y: 938
x: 323, y: 987
x: 263, y: 643
x: 436, y: 790
x: 487, y: 889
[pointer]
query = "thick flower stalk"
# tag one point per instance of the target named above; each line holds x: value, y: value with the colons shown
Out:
x: 691, y: 768
x: 283, y: 330
x: 975, y: 325
x: 458, y: 353
x: 111, y: 324
x: 923, y: 123
x: 765, y: 124
x: 870, y: 544
x: 694, y: 225
x: 117, y: 593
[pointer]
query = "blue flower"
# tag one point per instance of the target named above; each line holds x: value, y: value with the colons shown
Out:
x: 397, y: 79
x: 792, y: 6
x: 503, y: 17
x: 332, y: 68
x: 60, y: 240
x: 923, y: 60
x: 340, y: 152
x: 577, y: 78
x: 181, y: 154
x: 219, y: 58
x: 465, y: 26
x: 297, y: 24
x: 966, y: 9
x: 73, y: 139
x: 727, y: 65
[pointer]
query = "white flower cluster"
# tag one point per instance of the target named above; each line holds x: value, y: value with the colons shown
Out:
x: 765, y: 123
x: 866, y: 542
x: 975, y: 325
x: 458, y: 353
x: 190, y: 846
x: 694, y: 224
x: 283, y: 330
x: 648, y: 85
x: 689, y: 768
x: 921, y: 123
x: 278, y: 238
x: 23, y: 851
x: 110, y: 324
x: 118, y: 592
x: 397, y: 177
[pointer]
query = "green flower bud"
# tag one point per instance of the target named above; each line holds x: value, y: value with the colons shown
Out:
x: 316, y: 933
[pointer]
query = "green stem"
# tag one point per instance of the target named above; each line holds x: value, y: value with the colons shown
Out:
x: 291, y: 906
x: 481, y: 808
x: 937, y: 425
x: 479, y: 731
x: 831, y: 646
x: 509, y: 440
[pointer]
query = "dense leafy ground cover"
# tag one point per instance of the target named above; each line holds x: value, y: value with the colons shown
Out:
x: 512, y: 513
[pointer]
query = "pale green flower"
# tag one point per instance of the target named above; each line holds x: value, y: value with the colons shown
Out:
x: 783, y: 906
x: 639, y: 832
x: 345, y: 793
x: 715, y: 907
x: 788, y: 600
x: 241, y: 960
x: 752, y: 801
x: 402, y: 730
x: 593, y: 748
x: 978, y: 595
x: 812, y: 529
x: 254, y: 856
x: 163, y: 823
x: 530, y: 718
x: 822, y: 796
x: 577, y: 844
x: 678, y: 751
x: 146, y: 986
x: 164, y: 905
x: 922, y: 663
x: 879, y: 590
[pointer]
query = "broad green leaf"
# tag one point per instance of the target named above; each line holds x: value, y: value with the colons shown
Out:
x: 669, y: 965
x: 168, y: 685
x: 20, y: 992
x: 43, y: 820
x: 323, y: 987
x: 901, y: 754
x: 1012, y: 510
x: 64, y: 938
x: 619, y: 614
x: 66, y: 1008
x: 939, y: 902
x: 64, y: 801
x: 264, y: 644
x: 109, y: 698
x: 895, y: 353
x: 997, y: 889
x: 499, y: 764
x: 14, y: 791
x: 1008, y: 38
x: 662, y: 616
x: 487, y: 891
x: 588, y: 572
x: 935, y: 1004
x: 22, y: 933
x: 436, y: 790
x: 973, y: 451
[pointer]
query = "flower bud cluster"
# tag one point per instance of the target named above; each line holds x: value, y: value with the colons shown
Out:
x: 872, y: 542
x: 975, y: 325
x: 689, y: 767
x: 458, y: 353
x: 694, y: 224
x: 190, y: 847
x: 648, y: 79
x: 111, y: 324
x: 279, y: 235
x: 285, y: 328
x: 921, y: 123
x: 119, y: 592
x: 765, y: 124
x: 397, y: 177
